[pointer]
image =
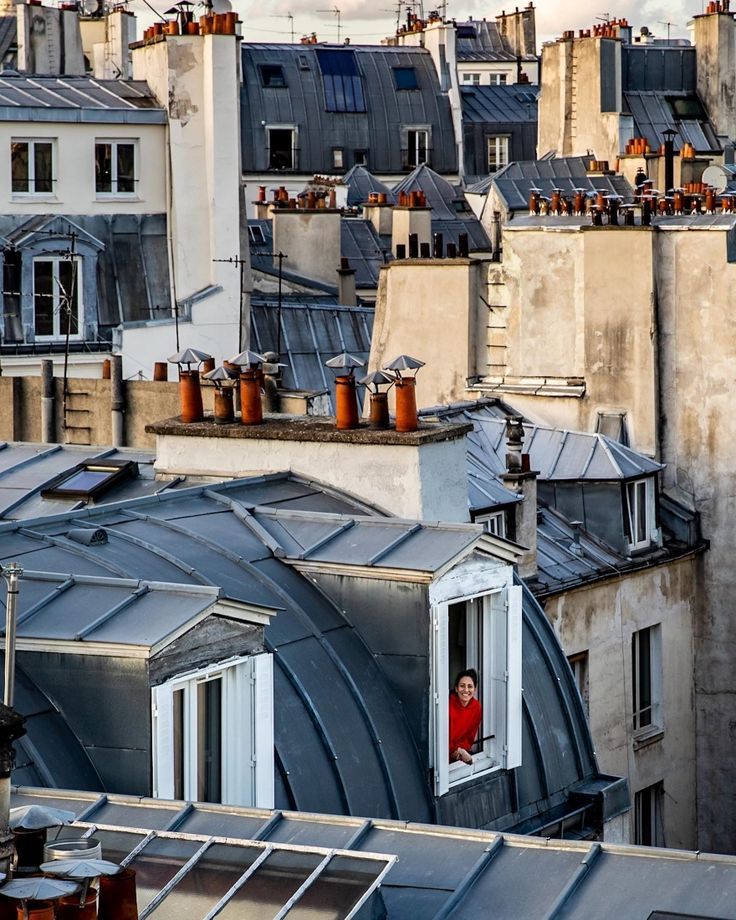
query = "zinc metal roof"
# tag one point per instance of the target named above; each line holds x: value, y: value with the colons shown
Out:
x: 666, y: 68
x: 515, y: 181
x: 8, y: 35
x: 235, y: 537
x: 361, y: 183
x: 311, y: 332
x: 410, y: 870
x: 653, y: 115
x: 77, y: 98
x: 366, y: 250
x: 488, y: 44
x: 26, y: 468
x: 507, y: 104
x: 378, y: 130
x: 99, y: 609
x: 557, y: 454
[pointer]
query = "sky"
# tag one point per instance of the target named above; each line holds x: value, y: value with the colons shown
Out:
x: 367, y: 21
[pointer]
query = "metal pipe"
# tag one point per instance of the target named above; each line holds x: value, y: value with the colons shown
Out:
x: 47, y: 402
x: 117, y: 402
x: 11, y: 573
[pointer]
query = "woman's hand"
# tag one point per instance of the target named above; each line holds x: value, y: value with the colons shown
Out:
x: 461, y: 754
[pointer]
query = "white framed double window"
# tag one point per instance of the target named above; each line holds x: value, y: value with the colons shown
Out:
x: 213, y: 734
x: 646, y: 680
x: 498, y: 153
x: 417, y: 147
x: 639, y: 513
x: 494, y: 523
x: 481, y: 632
x: 499, y: 79
x: 116, y: 164
x: 57, y: 297
x: 32, y: 167
x: 472, y: 78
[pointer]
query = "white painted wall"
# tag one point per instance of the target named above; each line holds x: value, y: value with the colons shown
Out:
x: 427, y: 482
x: 74, y: 169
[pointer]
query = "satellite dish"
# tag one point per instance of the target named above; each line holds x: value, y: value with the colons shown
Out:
x: 222, y: 6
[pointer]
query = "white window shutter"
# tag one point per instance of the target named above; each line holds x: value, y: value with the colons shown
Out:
x: 513, y: 686
x: 163, y: 742
x: 440, y: 700
x: 262, y: 716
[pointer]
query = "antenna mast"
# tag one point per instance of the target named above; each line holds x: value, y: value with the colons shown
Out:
x: 335, y: 12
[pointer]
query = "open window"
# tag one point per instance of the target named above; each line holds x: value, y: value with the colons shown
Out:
x: 32, y: 163
x: 639, y: 513
x: 115, y: 168
x: 481, y: 632
x: 416, y: 149
x: 57, y: 297
x: 213, y: 734
x: 646, y: 681
x: 282, y: 151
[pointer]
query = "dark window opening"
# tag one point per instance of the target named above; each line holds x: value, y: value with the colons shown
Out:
x: 90, y: 479
x: 303, y: 62
x: 688, y: 108
x: 405, y: 78
x: 417, y: 148
x: 11, y: 296
x: 31, y: 167
x: 466, y: 32
x: 256, y: 235
x: 56, y: 297
x: 114, y: 168
x: 342, y: 82
x: 281, y: 148
x: 209, y: 736
x: 361, y: 157
x: 272, y: 76
x: 179, y: 742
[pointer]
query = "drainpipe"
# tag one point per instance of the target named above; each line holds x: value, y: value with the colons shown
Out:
x: 116, y: 399
x: 47, y: 402
x: 11, y: 573
x: 11, y: 728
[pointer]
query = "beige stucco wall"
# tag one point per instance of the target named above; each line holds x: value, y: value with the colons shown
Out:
x: 429, y: 309
x: 74, y: 168
x: 715, y: 39
x: 601, y: 619
x: 580, y: 305
x: 310, y: 240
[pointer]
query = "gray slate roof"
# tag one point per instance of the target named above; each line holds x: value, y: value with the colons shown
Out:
x: 440, y: 872
x: 8, y: 36
x: 515, y: 181
x: 509, y: 104
x: 72, y: 98
x: 662, y: 68
x: 361, y: 183
x: 218, y: 535
x: 311, y: 332
x: 378, y: 130
x: 487, y: 45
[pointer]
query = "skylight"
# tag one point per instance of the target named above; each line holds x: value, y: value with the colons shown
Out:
x: 342, y: 81
x: 90, y: 479
x: 405, y: 78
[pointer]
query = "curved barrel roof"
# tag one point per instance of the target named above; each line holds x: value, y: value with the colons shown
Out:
x: 342, y: 743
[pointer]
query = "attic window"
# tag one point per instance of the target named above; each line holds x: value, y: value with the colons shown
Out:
x: 342, y: 82
x: 466, y: 32
x: 303, y: 62
x: 256, y: 235
x: 272, y: 76
x: 90, y: 479
x: 687, y: 109
x: 405, y: 78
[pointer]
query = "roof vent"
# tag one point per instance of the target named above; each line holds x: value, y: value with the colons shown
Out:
x: 88, y: 536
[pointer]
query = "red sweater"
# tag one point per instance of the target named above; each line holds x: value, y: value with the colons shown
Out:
x: 464, y: 723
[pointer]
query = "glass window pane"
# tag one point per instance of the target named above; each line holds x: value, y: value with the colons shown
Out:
x: 103, y: 167
x: 337, y: 889
x: 68, y: 296
x: 116, y: 845
x: 42, y: 167
x: 19, y: 166
x: 270, y: 886
x: 83, y: 481
x: 641, y: 508
x: 209, y: 735
x: 207, y: 883
x: 179, y: 742
x: 43, y: 297
x: 158, y: 863
x: 126, y: 167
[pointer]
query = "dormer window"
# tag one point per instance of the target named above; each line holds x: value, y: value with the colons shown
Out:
x: 639, y: 521
x: 272, y: 76
x: 405, y: 78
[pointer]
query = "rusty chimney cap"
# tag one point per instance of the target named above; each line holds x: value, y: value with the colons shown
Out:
x: 344, y: 361
x: 247, y: 358
x: 189, y: 356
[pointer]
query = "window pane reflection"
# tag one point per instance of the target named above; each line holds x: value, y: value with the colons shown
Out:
x: 337, y: 890
x: 271, y: 886
x: 158, y: 863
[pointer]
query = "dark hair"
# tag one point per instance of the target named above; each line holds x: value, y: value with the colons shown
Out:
x: 469, y: 672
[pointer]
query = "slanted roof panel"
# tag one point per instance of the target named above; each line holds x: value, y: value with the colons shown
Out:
x: 499, y: 104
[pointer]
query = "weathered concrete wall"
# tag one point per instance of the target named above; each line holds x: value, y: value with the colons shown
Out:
x: 88, y: 408
x: 429, y: 308
x: 568, y: 316
x: 311, y: 240
x: 697, y: 290
x: 715, y: 41
x: 601, y: 619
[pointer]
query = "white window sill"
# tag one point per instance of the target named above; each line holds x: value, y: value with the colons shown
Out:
x: 33, y: 196
x: 117, y: 196
x: 643, y: 737
x: 45, y: 339
x: 462, y: 772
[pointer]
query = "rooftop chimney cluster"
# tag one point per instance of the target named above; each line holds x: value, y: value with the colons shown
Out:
x: 718, y: 6
x: 183, y: 23
x: 611, y: 29
x: 310, y: 200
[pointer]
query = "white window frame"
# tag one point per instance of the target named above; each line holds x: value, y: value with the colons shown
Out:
x: 640, y: 507
x: 31, y: 190
x: 493, y: 523
x: 579, y: 665
x: 413, y: 146
x: 655, y: 725
x: 114, y: 143
x: 499, y: 145
x: 246, y: 730
x: 500, y: 669
x: 58, y: 332
x: 472, y: 78
x: 499, y: 79
x: 294, y: 145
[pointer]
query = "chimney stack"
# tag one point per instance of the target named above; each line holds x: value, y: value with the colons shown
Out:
x: 346, y: 284
x: 411, y: 220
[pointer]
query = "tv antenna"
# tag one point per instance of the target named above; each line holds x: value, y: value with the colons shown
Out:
x: 669, y: 26
x: 290, y: 17
x: 335, y: 12
x: 604, y: 17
